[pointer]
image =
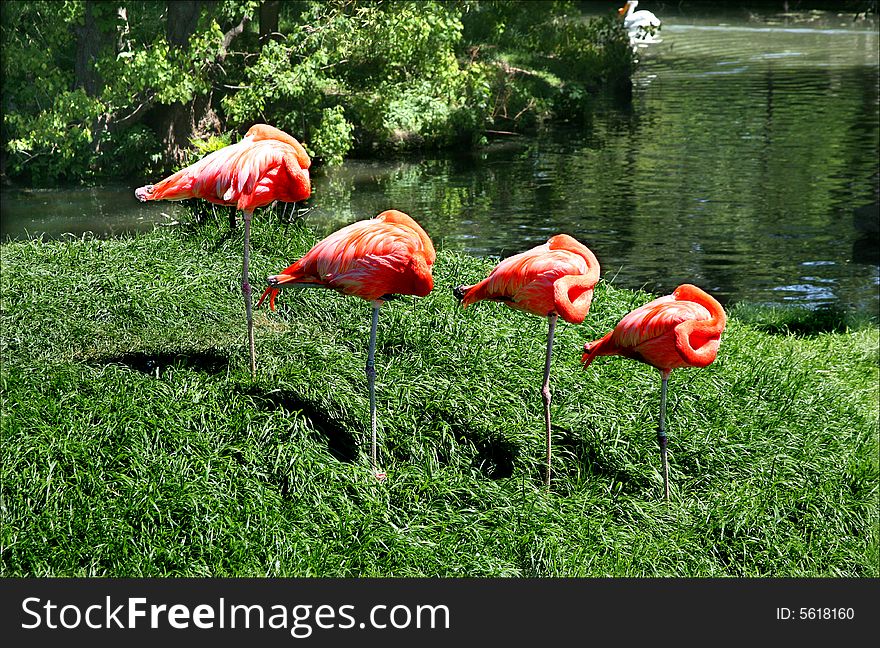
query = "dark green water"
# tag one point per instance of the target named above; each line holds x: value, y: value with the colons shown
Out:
x: 747, y: 163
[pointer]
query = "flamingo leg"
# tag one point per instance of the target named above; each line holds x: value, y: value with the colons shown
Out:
x: 661, y: 432
x: 246, y: 291
x: 371, y: 383
x: 545, y: 391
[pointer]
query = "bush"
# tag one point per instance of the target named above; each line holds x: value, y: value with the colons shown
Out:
x: 342, y: 76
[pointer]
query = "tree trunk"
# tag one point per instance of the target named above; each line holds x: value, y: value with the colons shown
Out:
x: 268, y: 19
x: 177, y: 122
x: 183, y: 18
x: 89, y: 40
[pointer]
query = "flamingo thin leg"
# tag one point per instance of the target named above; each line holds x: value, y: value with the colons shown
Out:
x: 545, y: 392
x: 246, y: 291
x: 661, y: 433
x: 371, y: 382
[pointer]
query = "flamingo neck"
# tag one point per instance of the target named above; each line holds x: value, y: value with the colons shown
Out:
x: 698, y: 340
x: 717, y: 318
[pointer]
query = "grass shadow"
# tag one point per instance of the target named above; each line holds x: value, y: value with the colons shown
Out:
x: 224, y: 237
x: 153, y: 364
x: 805, y: 322
x: 586, y: 454
x: 341, y: 443
x: 494, y: 457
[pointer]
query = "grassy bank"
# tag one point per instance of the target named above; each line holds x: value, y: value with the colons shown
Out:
x: 135, y: 443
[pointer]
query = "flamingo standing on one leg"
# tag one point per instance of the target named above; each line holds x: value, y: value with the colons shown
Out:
x: 550, y: 280
x: 266, y: 165
x: 372, y: 259
x: 679, y: 330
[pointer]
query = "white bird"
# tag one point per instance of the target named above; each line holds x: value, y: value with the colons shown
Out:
x: 641, y: 25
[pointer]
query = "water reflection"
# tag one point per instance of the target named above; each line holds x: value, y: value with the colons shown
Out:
x: 110, y: 210
x: 741, y: 165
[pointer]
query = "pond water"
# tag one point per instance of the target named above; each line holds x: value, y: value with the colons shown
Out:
x: 747, y: 163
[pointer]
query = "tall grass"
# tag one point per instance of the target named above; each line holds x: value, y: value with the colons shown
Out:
x: 135, y: 443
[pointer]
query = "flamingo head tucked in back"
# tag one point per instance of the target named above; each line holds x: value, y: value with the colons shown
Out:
x: 373, y: 259
x: 556, y: 278
x: 679, y: 330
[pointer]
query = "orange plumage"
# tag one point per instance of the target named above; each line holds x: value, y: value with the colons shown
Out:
x: 552, y: 280
x: 372, y: 259
x: 556, y: 277
x: 678, y: 330
x: 265, y: 166
x: 387, y: 255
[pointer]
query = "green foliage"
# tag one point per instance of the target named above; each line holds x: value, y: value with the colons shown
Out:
x: 207, y: 145
x: 589, y: 52
x: 333, y: 136
x: 132, y: 151
x: 344, y: 76
x: 365, y: 74
x: 56, y: 143
x: 210, y: 144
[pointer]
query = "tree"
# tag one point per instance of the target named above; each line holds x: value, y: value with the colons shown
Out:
x: 183, y: 18
x: 269, y: 11
x: 142, y: 79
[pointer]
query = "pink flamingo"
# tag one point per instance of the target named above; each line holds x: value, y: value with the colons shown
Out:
x: 551, y: 280
x: 679, y: 330
x: 373, y: 259
x: 265, y: 166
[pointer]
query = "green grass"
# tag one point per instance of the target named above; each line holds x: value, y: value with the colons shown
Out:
x: 135, y: 443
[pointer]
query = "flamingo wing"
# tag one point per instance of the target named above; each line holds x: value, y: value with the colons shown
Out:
x: 369, y: 259
x: 248, y: 174
x: 359, y: 258
x: 259, y: 132
x: 652, y: 333
x: 528, y: 281
x: 253, y: 176
x: 655, y: 319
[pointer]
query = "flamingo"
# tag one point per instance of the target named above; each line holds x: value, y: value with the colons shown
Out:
x: 551, y: 280
x: 265, y: 166
x: 374, y: 259
x: 640, y: 24
x: 679, y: 330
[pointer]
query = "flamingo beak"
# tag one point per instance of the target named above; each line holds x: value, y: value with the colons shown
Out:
x: 275, y: 285
x: 586, y: 358
x: 276, y: 281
